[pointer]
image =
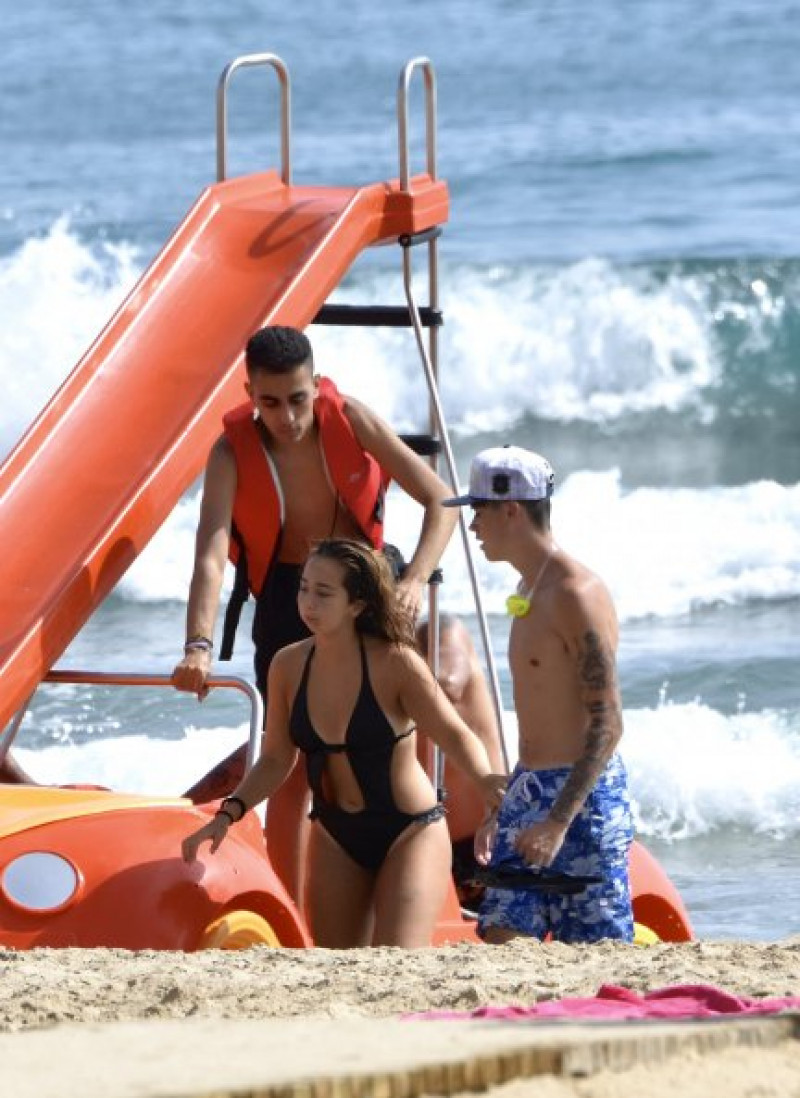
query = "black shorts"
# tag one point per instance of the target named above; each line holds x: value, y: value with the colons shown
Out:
x: 276, y: 621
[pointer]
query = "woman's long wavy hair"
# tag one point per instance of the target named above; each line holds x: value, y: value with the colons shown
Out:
x: 368, y: 577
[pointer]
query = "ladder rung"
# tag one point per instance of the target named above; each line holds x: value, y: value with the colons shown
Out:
x: 424, y: 445
x: 376, y: 316
x: 426, y: 236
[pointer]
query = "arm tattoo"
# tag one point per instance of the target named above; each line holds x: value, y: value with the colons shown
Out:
x: 596, y: 676
x: 594, y: 664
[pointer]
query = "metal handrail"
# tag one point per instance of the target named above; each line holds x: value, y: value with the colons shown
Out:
x: 250, y: 61
x: 214, y: 682
x: 430, y: 362
x: 404, y: 84
x: 438, y: 413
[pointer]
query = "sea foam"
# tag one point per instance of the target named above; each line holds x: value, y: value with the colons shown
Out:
x: 600, y: 341
x: 589, y: 341
x: 693, y: 771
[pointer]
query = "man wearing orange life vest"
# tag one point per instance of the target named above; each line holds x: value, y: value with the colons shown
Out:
x: 297, y: 463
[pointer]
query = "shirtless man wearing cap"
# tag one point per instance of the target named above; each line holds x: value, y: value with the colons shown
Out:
x: 567, y: 804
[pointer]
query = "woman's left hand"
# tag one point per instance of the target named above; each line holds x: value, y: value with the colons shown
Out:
x: 484, y: 839
x: 493, y: 787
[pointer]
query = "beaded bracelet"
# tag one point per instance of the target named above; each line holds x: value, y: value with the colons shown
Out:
x: 199, y: 644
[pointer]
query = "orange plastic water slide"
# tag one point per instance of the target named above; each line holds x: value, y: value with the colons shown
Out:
x: 101, y: 468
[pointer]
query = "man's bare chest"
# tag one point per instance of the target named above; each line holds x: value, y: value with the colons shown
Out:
x: 305, y: 486
x: 535, y: 649
x: 311, y: 507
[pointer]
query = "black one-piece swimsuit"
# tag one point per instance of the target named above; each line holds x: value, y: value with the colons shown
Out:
x: 367, y: 834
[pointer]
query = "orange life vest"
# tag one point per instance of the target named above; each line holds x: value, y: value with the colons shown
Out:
x: 258, y: 509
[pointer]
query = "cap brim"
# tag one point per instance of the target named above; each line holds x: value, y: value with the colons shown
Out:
x: 457, y: 501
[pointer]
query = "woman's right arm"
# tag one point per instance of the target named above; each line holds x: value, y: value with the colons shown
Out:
x: 275, y: 763
x: 429, y: 707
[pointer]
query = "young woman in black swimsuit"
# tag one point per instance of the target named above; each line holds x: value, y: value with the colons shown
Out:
x: 349, y: 699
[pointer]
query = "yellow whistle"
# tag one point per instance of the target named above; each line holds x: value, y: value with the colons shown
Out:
x: 518, y: 606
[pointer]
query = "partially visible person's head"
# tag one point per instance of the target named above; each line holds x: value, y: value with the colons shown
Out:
x: 456, y: 654
x: 448, y: 623
x: 278, y: 350
x: 510, y: 474
x: 368, y: 580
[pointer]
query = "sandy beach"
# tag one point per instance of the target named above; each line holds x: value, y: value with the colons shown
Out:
x: 42, y: 989
x: 48, y: 986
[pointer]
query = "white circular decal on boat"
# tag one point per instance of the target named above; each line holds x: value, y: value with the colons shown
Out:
x: 40, y: 881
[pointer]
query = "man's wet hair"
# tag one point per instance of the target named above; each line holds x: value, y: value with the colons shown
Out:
x: 538, y: 511
x: 278, y: 350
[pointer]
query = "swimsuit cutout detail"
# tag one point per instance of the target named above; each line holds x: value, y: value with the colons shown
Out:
x: 368, y: 834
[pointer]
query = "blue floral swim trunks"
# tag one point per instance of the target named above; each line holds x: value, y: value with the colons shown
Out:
x: 597, y: 844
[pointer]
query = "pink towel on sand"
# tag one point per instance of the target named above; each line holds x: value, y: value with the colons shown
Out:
x: 614, y: 1003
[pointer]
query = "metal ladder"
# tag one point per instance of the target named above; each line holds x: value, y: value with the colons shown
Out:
x: 425, y: 320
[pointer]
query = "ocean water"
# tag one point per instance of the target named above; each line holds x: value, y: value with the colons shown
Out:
x: 620, y: 284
